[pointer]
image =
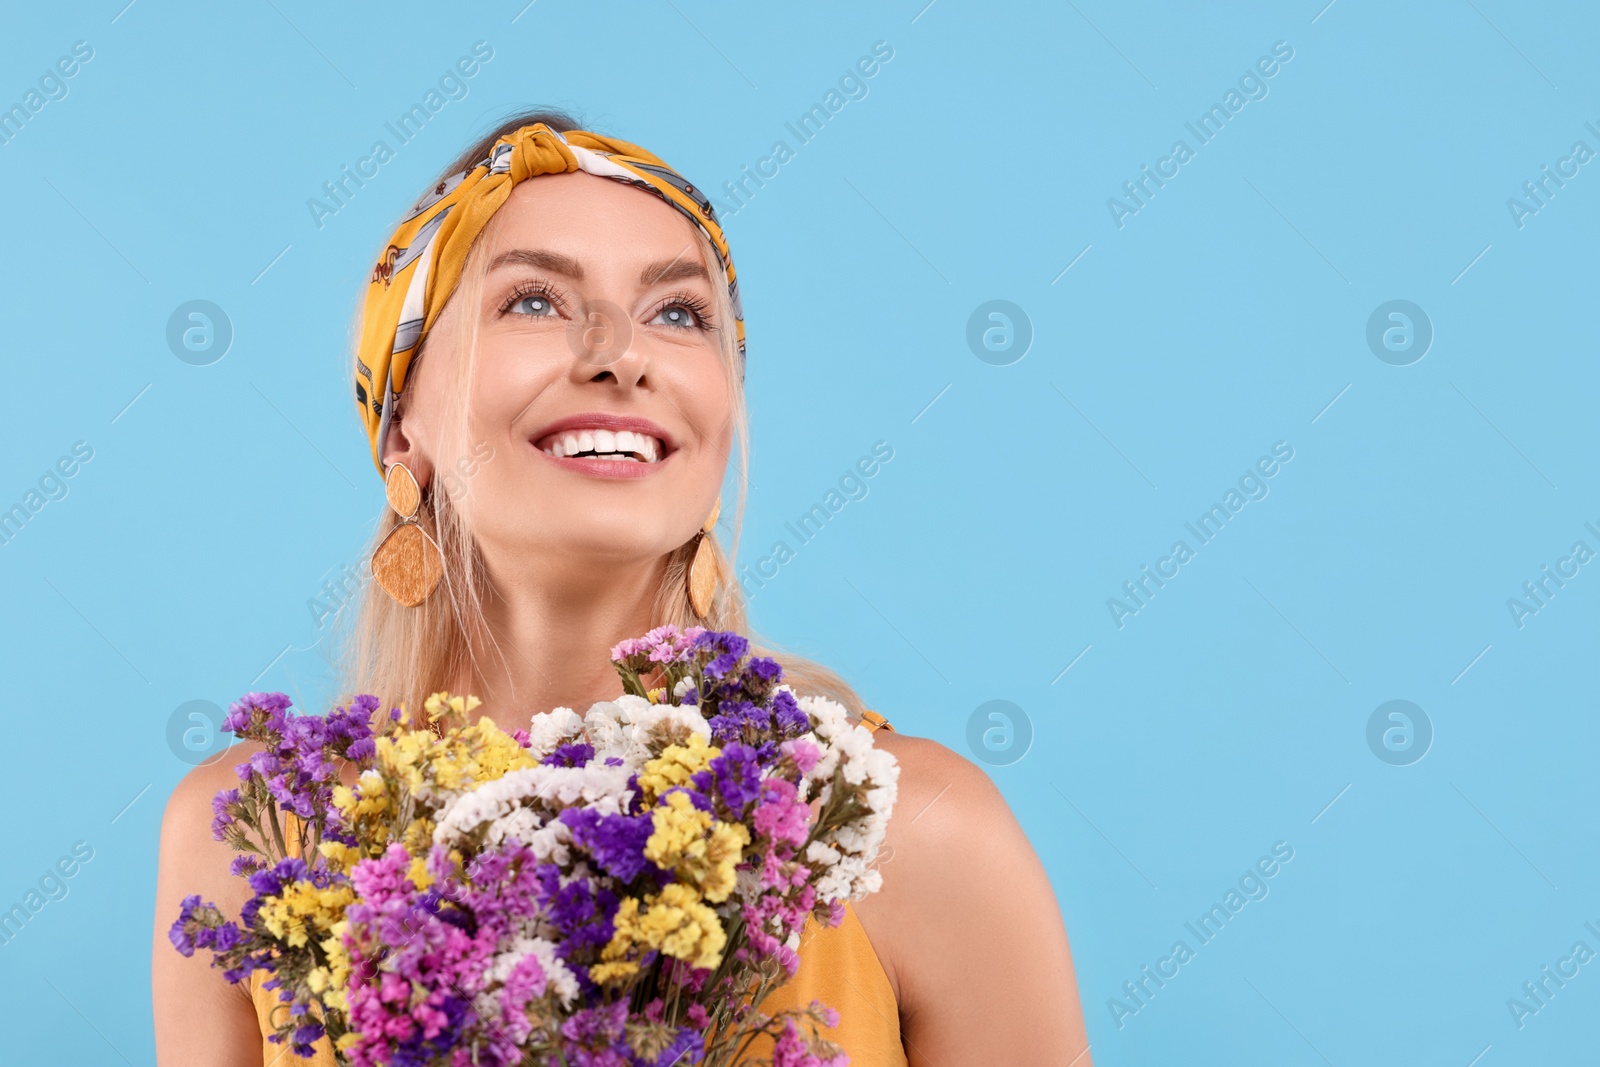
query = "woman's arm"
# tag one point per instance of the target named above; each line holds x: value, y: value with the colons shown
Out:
x: 973, y: 936
x: 201, y: 1020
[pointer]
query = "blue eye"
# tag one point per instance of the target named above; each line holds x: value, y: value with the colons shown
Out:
x: 681, y: 315
x: 536, y: 305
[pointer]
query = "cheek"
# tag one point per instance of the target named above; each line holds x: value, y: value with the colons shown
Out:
x: 510, y: 375
x: 703, y: 394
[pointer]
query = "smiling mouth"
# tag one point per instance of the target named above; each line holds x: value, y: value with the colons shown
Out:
x: 620, y: 446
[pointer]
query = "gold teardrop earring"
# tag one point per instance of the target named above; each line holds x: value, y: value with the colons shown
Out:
x: 703, y: 571
x: 408, y: 564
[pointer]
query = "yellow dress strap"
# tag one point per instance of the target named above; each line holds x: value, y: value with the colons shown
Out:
x: 271, y: 1010
x: 839, y: 967
x: 875, y: 722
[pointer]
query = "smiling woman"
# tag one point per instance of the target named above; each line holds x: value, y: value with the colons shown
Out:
x: 576, y: 342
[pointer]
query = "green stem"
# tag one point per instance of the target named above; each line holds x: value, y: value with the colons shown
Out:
x: 751, y: 1034
x: 277, y: 830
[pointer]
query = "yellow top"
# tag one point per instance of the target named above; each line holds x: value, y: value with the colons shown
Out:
x: 838, y: 966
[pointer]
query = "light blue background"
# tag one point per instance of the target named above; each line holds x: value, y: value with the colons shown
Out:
x: 1223, y: 317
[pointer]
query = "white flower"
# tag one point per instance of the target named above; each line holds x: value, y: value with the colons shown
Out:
x: 820, y: 854
x: 603, y: 721
x: 527, y: 798
x: 632, y: 706
x: 829, y: 715
x: 549, y: 732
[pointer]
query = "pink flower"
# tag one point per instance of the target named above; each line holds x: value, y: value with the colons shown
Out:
x: 803, y: 752
x: 782, y: 816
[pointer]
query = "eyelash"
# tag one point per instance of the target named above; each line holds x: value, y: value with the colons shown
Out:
x: 527, y: 289
x: 697, y: 306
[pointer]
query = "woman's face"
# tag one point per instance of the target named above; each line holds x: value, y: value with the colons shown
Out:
x: 595, y: 335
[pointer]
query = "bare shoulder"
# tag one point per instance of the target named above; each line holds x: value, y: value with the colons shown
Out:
x: 930, y: 775
x: 190, y: 857
x: 951, y: 832
x: 967, y: 924
x: 192, y: 862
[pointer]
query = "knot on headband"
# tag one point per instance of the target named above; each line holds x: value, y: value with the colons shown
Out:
x: 423, y: 261
x: 541, y: 152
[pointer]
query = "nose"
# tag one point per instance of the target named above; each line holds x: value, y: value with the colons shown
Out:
x: 603, y: 342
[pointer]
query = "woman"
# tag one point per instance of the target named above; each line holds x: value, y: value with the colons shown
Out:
x: 575, y: 391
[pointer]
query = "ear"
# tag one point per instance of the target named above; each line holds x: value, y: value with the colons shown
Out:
x: 398, y: 447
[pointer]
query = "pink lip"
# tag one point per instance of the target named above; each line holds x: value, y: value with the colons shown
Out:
x: 620, y: 469
x: 606, y: 468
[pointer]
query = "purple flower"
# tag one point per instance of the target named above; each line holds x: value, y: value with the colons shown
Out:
x: 721, y: 650
x: 737, y: 719
x: 615, y: 841
x: 305, y: 1036
x: 735, y: 777
x: 786, y: 713
x: 225, y: 809
x: 245, y: 864
x: 574, y: 754
x: 180, y: 935
x: 255, y: 711
x: 765, y: 669
x: 579, y: 911
x: 597, y: 1035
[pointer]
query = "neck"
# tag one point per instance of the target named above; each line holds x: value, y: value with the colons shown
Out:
x: 554, y: 632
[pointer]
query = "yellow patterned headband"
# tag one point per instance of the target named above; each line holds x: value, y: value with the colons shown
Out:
x: 423, y: 262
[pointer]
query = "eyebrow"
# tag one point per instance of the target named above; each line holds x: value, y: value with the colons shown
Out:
x: 672, y: 270
x: 535, y: 257
x: 668, y: 270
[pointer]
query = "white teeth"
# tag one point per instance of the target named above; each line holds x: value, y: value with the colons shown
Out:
x: 625, y: 445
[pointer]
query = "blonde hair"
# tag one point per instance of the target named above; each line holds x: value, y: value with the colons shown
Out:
x: 404, y: 654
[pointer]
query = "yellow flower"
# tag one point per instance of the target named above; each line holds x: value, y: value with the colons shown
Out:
x: 340, y: 856
x: 702, y: 851
x: 476, y: 754
x: 601, y: 973
x: 338, y: 966
x: 400, y: 757
x: 675, y: 765
x: 368, y: 797
x: 418, y: 873
x: 441, y: 702
x: 715, y: 871
x: 287, y: 915
x: 675, y: 921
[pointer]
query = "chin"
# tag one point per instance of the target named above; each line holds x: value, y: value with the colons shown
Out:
x: 602, y: 535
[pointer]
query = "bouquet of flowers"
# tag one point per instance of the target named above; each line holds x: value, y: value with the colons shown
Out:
x: 617, y: 889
